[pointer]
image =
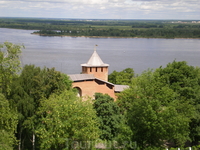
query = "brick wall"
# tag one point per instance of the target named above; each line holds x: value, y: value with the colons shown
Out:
x: 98, y: 72
x: 89, y: 88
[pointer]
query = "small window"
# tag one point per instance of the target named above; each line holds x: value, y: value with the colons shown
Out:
x: 96, y: 69
x: 101, y: 69
x: 90, y: 69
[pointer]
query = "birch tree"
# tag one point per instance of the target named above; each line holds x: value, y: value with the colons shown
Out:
x: 9, y: 64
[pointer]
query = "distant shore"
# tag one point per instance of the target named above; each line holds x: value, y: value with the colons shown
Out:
x: 149, y: 29
x: 110, y: 36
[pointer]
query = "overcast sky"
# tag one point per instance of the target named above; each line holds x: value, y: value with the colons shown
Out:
x: 102, y: 9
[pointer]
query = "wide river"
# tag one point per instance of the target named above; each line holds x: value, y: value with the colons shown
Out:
x: 67, y: 53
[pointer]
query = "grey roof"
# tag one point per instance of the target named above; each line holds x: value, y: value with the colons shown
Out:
x: 120, y: 88
x: 83, y: 77
x: 105, y: 81
x: 80, y: 77
x: 95, y: 61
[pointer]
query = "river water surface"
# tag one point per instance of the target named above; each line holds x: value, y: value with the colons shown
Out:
x: 67, y: 53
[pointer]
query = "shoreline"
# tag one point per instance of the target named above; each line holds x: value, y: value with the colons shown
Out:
x: 110, y: 37
x: 100, y: 36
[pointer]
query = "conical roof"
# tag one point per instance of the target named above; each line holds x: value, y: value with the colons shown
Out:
x: 95, y: 61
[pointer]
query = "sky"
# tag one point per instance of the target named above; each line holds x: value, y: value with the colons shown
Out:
x: 102, y: 9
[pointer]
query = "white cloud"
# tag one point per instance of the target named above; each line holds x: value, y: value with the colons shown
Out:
x: 102, y: 7
x: 129, y: 9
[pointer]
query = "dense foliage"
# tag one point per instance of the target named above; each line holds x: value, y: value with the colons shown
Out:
x: 27, y: 90
x: 64, y: 119
x: 123, y: 77
x: 109, y: 116
x: 184, y: 80
x: 105, y: 28
x: 164, y: 105
x: 8, y: 123
x: 9, y: 67
x: 40, y: 110
x: 155, y: 112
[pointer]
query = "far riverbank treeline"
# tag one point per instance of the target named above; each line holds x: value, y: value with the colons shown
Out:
x: 106, y: 28
x: 39, y: 108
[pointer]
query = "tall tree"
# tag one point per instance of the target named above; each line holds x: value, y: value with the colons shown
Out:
x: 185, y: 81
x: 155, y: 112
x: 9, y: 65
x: 8, y: 125
x: 28, y: 89
x: 109, y: 116
x: 66, y: 120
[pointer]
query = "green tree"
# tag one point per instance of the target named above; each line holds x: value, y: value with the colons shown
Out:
x: 109, y: 116
x: 181, y: 78
x: 155, y: 112
x: 123, y: 78
x: 185, y: 81
x: 8, y: 125
x: 9, y: 68
x: 9, y: 65
x: 27, y: 90
x: 124, y: 134
x: 65, y: 119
